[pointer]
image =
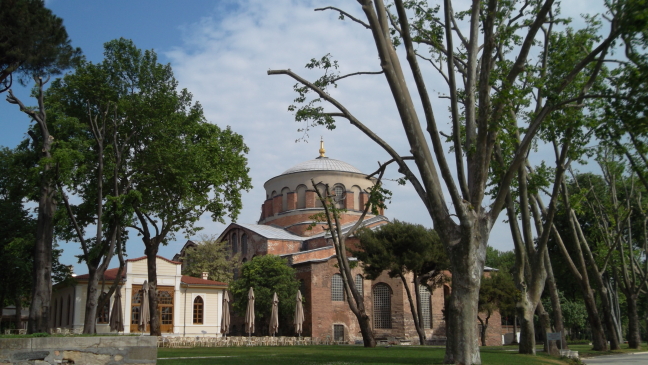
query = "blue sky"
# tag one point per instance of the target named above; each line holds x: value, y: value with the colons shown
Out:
x: 221, y: 50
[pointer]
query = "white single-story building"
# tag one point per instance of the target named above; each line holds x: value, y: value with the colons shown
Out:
x: 186, y: 305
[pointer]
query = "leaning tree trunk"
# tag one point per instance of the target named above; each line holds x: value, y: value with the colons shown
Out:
x: 599, y: 342
x: 555, y: 302
x: 18, y: 316
x: 467, y: 259
x: 415, y: 314
x: 550, y: 347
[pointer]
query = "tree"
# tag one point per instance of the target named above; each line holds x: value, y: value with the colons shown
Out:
x: 267, y: 274
x: 497, y: 291
x: 211, y: 256
x: 90, y: 148
x: 33, y: 42
x: 331, y: 216
x: 400, y: 249
x: 41, y: 292
x: 177, y: 166
x: 494, y: 70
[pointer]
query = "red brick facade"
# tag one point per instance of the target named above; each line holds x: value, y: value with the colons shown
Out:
x: 285, y: 229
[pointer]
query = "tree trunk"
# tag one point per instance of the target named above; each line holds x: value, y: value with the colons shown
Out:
x: 634, y: 336
x: 550, y: 347
x: 415, y: 314
x: 607, y: 313
x: 555, y: 302
x: 484, y: 328
x: 525, y: 311
x: 18, y: 315
x: 151, y: 251
x: 92, y: 297
x: 41, y: 293
x: 515, y: 340
x: 467, y: 259
x: 599, y: 342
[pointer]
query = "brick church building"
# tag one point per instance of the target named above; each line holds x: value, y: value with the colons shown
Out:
x: 282, y: 230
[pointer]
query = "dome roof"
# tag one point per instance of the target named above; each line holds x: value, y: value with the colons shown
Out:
x: 322, y: 164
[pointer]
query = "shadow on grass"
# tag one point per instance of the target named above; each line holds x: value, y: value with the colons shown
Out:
x: 338, y: 355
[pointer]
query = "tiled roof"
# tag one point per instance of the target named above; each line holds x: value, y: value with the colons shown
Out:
x: 109, y: 274
x: 271, y: 232
x: 158, y: 256
x: 322, y: 164
x: 348, y: 226
x: 198, y: 281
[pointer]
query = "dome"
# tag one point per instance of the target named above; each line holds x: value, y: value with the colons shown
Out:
x: 322, y: 164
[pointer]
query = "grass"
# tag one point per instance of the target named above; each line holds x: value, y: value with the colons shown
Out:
x: 586, y: 350
x: 337, y: 355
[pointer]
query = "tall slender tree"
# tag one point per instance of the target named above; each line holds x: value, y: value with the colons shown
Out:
x: 493, y: 62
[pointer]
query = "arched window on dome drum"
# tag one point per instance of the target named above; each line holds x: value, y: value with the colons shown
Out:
x: 355, y: 189
x: 322, y: 189
x: 339, y: 195
x: 382, y: 306
x: 284, y: 199
x: 358, y: 284
x: 301, y: 197
x: 244, y: 244
x: 234, y: 243
x: 425, y: 306
x: 198, y: 310
x: 337, y: 288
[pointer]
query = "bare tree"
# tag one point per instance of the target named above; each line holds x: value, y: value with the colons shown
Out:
x: 492, y: 69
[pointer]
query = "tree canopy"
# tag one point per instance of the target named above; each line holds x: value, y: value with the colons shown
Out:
x: 212, y: 256
x: 33, y: 42
x: 266, y: 274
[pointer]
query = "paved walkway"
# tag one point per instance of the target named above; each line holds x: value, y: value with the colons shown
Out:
x: 625, y: 359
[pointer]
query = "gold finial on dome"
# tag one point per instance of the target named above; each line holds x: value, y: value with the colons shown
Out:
x: 322, y: 151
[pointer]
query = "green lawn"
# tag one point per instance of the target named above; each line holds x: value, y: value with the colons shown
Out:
x: 586, y: 350
x: 339, y: 355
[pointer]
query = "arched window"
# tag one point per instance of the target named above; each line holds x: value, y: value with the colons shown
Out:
x: 355, y: 189
x: 339, y: 195
x: 425, y: 306
x: 104, y: 311
x: 284, y: 199
x: 337, y: 288
x: 234, y: 243
x: 382, y: 306
x: 358, y: 284
x: 301, y: 197
x: 322, y: 190
x: 244, y: 245
x: 198, y: 309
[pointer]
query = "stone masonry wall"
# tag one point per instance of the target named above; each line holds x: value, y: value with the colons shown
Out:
x: 107, y: 350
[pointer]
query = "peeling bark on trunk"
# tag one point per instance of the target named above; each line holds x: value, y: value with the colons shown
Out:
x: 525, y: 310
x: 467, y: 265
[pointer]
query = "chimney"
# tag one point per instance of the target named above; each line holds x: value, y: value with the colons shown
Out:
x: 205, y: 275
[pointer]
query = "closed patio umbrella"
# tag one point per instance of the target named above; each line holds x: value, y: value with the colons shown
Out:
x: 145, y: 316
x: 225, y: 320
x: 299, y: 313
x: 249, y: 313
x: 116, y: 314
x: 274, y: 316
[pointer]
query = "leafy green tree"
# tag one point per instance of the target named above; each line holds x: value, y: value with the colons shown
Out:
x: 400, y: 249
x: 33, y: 42
x: 147, y: 159
x: 212, y: 256
x: 493, y: 62
x: 497, y: 292
x: 266, y: 274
